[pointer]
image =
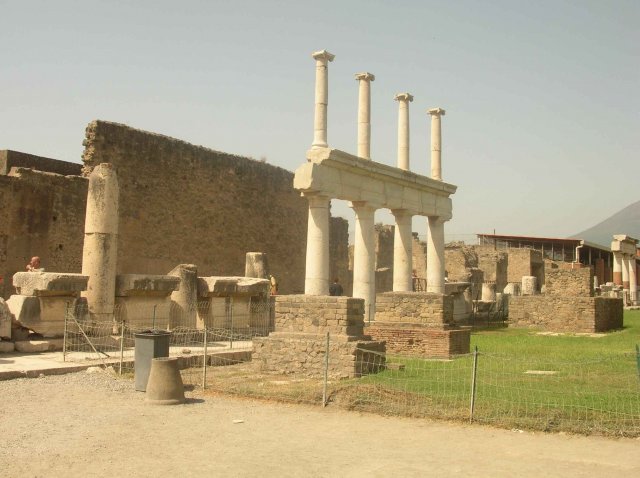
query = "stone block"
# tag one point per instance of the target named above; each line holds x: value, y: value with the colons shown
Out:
x: 231, y: 286
x: 36, y: 346
x: 6, y: 347
x: 5, y: 320
x: 128, y: 285
x: 140, y: 311
x: 44, y: 315
x: 49, y: 284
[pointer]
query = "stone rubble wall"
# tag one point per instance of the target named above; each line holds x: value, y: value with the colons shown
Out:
x: 319, y: 314
x: 427, y: 309
x: 42, y: 214
x: 569, y: 282
x: 566, y: 313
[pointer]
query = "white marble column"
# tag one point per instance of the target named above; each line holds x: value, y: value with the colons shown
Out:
x: 317, y: 266
x: 625, y: 272
x: 402, y: 252
x: 617, y: 268
x: 364, y: 257
x: 403, y: 100
x: 364, y: 114
x: 322, y: 98
x: 633, y: 281
x: 435, y: 255
x: 436, y: 143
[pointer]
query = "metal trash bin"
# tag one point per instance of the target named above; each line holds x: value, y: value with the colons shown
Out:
x: 149, y: 345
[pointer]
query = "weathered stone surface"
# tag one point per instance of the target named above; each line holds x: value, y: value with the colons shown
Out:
x: 566, y: 313
x: 433, y: 310
x: 34, y: 346
x: 299, y: 343
x: 421, y: 341
x: 5, y: 320
x: 569, y: 282
x: 185, y: 299
x: 49, y: 283
x: 6, y: 347
x: 145, y: 284
x: 44, y: 315
x: 228, y: 286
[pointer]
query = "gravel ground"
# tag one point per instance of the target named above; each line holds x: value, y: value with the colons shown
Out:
x: 89, y: 424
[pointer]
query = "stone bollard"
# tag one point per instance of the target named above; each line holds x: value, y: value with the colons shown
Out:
x: 165, y: 385
x: 529, y: 285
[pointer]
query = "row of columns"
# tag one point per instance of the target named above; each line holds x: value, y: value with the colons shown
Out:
x: 625, y: 274
x: 317, y: 262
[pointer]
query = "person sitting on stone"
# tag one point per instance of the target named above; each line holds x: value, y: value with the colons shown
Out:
x: 335, y: 288
x: 34, y: 265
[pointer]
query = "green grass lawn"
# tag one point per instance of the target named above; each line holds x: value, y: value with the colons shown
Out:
x: 568, y: 382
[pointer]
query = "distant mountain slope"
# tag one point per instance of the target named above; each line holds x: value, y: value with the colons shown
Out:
x: 626, y: 221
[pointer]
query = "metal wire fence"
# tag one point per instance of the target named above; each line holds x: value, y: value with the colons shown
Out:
x: 595, y: 396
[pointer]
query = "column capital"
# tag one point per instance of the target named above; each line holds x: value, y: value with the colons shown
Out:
x: 401, y: 212
x: 365, y: 76
x: 323, y: 56
x: 436, y: 112
x: 403, y: 97
x: 363, y: 205
x: 316, y: 199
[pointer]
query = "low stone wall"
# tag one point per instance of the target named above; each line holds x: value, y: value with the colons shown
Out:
x: 576, y: 282
x: 566, y: 314
x: 418, y: 340
x: 298, y: 344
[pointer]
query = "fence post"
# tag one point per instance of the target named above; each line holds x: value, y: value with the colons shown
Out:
x: 326, y: 372
x: 204, y: 360
x: 473, y: 383
x: 64, y: 340
x: 231, y: 313
x: 121, y: 347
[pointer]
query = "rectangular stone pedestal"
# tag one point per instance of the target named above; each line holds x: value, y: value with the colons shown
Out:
x: 299, y: 343
x: 417, y: 323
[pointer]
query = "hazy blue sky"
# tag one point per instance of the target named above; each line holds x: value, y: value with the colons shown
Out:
x: 541, y: 133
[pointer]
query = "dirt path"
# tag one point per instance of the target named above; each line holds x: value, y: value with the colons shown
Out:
x: 87, y: 424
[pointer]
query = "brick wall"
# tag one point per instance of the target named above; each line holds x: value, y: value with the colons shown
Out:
x: 566, y: 313
x: 339, y: 253
x: 409, y: 339
x: 458, y: 259
x: 319, y: 314
x: 494, y: 264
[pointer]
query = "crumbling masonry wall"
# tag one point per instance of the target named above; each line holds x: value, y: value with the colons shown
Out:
x: 42, y: 214
x: 181, y: 203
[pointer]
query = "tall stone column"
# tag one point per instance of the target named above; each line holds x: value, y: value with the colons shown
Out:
x: 322, y: 98
x: 403, y: 100
x: 317, y: 265
x: 617, y: 268
x: 100, y: 248
x: 436, y: 143
x: 364, y: 114
x: 364, y: 256
x: 625, y: 271
x: 633, y: 281
x: 402, y: 252
x: 435, y: 255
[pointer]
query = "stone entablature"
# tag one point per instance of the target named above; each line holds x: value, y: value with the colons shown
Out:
x: 299, y: 342
x: 128, y: 285
x: 43, y: 299
x: 232, y: 286
x: 43, y: 284
x: 566, y: 314
x: 336, y: 174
